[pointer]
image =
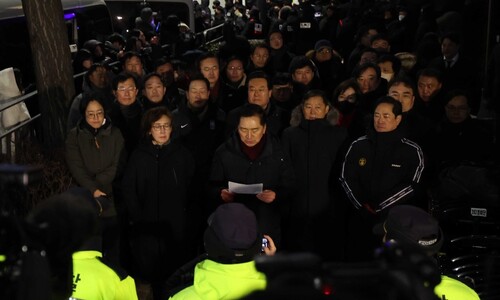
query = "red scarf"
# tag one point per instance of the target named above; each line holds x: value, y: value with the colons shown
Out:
x: 254, y: 152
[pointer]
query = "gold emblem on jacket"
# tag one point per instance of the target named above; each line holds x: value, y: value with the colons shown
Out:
x: 362, y: 162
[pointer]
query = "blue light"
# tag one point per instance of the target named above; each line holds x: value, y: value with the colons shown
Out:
x: 69, y: 16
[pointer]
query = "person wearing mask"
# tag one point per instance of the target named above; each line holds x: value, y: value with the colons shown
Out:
x: 312, y: 143
x: 252, y: 156
x: 380, y: 170
x: 346, y: 99
x: 155, y: 193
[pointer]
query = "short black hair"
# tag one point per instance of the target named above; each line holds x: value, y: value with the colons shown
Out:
x: 153, y: 74
x: 404, y: 80
x: 452, y: 36
x: 431, y: 72
x: 456, y: 93
x: 129, y: 54
x: 124, y: 76
x: 89, y: 97
x: 253, y: 110
x: 315, y: 93
x: 259, y: 74
x: 363, y: 67
x: 204, y: 56
x: 162, y: 61
x: 396, y: 62
x: 199, y: 77
x: 397, y: 107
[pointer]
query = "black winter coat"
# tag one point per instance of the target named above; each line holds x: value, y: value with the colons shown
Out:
x: 312, y: 147
x: 155, y: 186
x: 272, y: 169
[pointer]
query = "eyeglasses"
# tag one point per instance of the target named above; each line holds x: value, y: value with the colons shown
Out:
x: 159, y: 127
x: 93, y: 115
x: 324, y: 50
x: 207, y: 69
x: 123, y: 89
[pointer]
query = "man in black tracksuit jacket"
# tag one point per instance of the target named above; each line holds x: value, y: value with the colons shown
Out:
x: 380, y: 170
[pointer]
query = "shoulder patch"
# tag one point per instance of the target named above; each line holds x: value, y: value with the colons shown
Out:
x: 362, y: 162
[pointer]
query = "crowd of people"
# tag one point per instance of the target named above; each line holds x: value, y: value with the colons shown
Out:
x: 320, y: 127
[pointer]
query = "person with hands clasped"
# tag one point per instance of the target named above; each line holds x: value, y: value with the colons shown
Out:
x: 251, y: 156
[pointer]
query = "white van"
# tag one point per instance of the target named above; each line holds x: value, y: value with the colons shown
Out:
x: 84, y: 19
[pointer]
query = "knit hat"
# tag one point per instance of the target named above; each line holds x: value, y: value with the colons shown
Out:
x: 412, y: 225
x: 231, y: 235
x: 322, y: 44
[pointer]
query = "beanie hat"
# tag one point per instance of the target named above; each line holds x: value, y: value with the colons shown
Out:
x: 322, y: 44
x: 412, y: 225
x: 231, y: 236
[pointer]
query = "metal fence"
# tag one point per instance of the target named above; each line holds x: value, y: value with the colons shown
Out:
x: 21, y: 134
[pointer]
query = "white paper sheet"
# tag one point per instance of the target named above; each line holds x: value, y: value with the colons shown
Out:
x: 240, y: 188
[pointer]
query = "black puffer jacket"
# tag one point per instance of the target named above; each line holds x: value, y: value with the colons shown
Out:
x: 312, y: 147
x: 272, y: 169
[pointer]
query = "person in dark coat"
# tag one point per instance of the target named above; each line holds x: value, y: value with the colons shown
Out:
x: 459, y: 71
x: 252, y: 156
x: 329, y: 64
x: 371, y: 84
x: 260, y: 92
x: 95, y: 156
x: 346, y: 99
x: 280, y: 56
x: 126, y: 111
x: 155, y: 186
x: 380, y: 170
x: 199, y: 124
x: 304, y: 75
x: 233, y: 89
x: 460, y: 138
x: 312, y: 144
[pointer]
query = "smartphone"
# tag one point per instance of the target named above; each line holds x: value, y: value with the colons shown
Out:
x: 264, y: 243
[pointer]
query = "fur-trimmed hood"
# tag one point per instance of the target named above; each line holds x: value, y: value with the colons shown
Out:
x: 332, y: 116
